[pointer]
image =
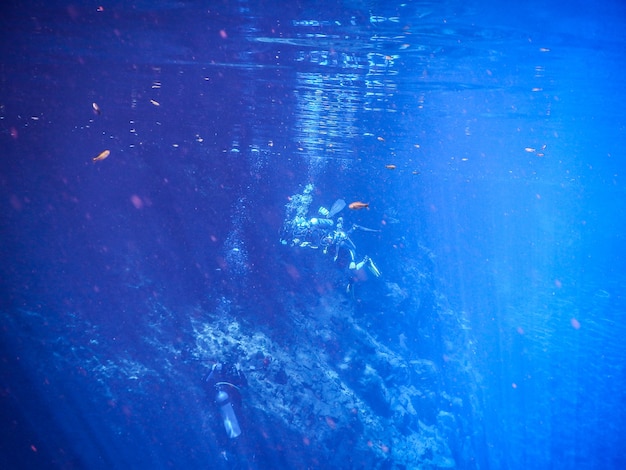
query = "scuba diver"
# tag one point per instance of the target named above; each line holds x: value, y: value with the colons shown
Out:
x: 342, y: 241
x: 227, y: 381
x: 224, y: 383
x: 313, y: 232
x: 323, y: 232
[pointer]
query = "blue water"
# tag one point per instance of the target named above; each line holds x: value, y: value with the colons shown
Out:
x: 494, y: 337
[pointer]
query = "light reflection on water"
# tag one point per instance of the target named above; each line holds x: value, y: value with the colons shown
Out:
x: 326, y: 117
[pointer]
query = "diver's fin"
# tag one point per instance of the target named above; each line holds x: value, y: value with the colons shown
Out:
x: 373, y: 268
x: 336, y: 208
x: 365, y: 229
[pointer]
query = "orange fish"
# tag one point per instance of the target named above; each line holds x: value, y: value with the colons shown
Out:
x: 355, y: 206
x: 102, y: 156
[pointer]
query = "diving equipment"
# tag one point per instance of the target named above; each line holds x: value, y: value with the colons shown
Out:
x: 323, y: 212
x: 373, y: 268
x: 336, y: 208
x: 315, y: 222
x: 226, y: 380
x: 229, y: 418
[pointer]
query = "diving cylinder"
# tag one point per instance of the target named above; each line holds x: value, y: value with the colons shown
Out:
x: 231, y: 424
x: 315, y: 222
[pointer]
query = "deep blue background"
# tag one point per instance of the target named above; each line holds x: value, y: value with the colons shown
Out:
x: 253, y: 105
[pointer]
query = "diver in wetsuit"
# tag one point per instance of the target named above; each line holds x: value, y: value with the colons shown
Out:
x: 342, y: 240
x: 224, y: 383
x: 314, y: 232
x: 322, y: 231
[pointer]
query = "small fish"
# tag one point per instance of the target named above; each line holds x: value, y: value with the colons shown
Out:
x: 96, y: 108
x: 390, y: 167
x: 355, y: 206
x: 102, y: 155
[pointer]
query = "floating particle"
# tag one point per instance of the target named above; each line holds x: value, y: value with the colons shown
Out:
x: 136, y: 201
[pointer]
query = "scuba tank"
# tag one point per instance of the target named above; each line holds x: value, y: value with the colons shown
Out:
x: 229, y: 418
x: 315, y: 222
x: 225, y: 380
